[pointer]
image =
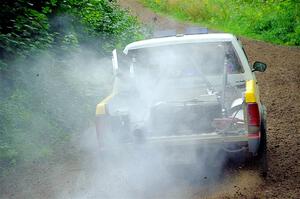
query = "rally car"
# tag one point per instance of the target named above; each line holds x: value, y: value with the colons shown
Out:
x: 185, y: 92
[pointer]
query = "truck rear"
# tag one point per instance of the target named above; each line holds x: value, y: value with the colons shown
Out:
x: 183, y: 95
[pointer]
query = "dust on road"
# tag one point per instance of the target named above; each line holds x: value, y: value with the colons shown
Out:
x: 82, y: 174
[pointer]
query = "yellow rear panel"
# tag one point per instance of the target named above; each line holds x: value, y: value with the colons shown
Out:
x: 250, y: 94
x: 101, y: 107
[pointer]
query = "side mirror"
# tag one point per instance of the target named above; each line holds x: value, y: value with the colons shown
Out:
x: 259, y: 66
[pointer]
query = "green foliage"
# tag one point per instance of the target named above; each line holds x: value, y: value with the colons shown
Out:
x: 23, y: 30
x: 43, y: 71
x: 27, y: 133
x: 106, y: 22
x: 29, y: 27
x: 44, y: 105
x: 270, y: 20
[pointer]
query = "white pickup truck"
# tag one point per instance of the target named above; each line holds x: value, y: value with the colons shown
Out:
x: 185, y: 92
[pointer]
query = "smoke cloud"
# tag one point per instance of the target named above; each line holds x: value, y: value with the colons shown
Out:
x: 165, y: 92
x: 162, y: 92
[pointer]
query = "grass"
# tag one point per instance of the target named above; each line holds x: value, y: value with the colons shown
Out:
x: 272, y: 21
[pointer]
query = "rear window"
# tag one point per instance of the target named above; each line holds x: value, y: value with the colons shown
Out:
x: 189, y: 59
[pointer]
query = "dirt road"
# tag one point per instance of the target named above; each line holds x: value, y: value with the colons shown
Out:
x: 80, y: 173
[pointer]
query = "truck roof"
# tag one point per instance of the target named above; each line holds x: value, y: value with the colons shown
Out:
x: 180, y: 39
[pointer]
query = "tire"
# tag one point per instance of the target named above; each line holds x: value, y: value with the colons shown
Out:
x: 262, y: 158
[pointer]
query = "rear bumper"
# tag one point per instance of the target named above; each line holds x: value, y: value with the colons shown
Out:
x: 230, y: 143
x: 185, y: 149
x: 199, y: 139
x: 211, y: 141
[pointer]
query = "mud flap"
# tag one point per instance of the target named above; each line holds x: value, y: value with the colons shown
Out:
x: 262, y: 152
x: 101, y: 129
x: 253, y: 145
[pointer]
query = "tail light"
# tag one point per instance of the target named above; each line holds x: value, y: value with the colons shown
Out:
x: 253, y: 120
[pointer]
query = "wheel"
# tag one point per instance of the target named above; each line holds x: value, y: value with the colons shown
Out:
x: 262, y: 152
